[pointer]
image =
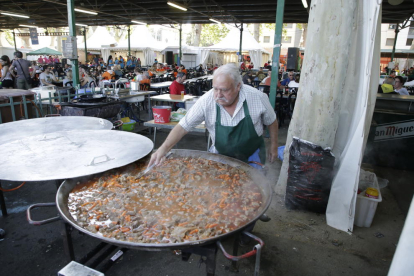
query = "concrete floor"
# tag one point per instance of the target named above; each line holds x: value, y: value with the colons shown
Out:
x: 296, y: 242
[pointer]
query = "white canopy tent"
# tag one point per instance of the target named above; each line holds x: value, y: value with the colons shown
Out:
x: 140, y: 39
x: 101, y: 38
x: 231, y: 44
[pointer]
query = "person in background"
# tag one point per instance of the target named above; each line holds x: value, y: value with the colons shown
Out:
x: 392, y: 74
x: 110, y: 61
x: 96, y: 59
x: 6, y: 77
x: 118, y: 71
x: 46, y: 78
x: 286, y: 81
x: 260, y: 74
x: 99, y: 71
x: 138, y: 75
x: 251, y: 66
x: 398, y: 86
x: 183, y: 69
x: 387, y: 86
x: 50, y: 60
x: 40, y: 60
x: 175, y: 72
x: 68, y: 77
x: 109, y: 74
x: 129, y: 63
x: 116, y: 61
x: 200, y: 68
x: 177, y: 87
x: 121, y: 62
x: 145, y: 79
x: 139, y: 63
x: 67, y: 68
x: 56, y: 59
x: 294, y: 83
x: 87, y: 79
x: 23, y: 71
x: 247, y: 78
x: 242, y: 66
x: 155, y: 61
x: 45, y: 60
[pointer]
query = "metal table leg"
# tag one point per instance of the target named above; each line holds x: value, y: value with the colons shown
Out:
x: 3, y: 203
x: 155, y: 134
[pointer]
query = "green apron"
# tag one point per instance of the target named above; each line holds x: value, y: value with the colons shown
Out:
x: 240, y: 141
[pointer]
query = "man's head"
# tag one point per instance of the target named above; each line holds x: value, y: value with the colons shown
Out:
x: 226, y: 84
x: 180, y: 77
x: 66, y: 66
x: 398, y: 82
x: 18, y: 54
x: 389, y: 80
x: 46, y: 69
x: 291, y: 75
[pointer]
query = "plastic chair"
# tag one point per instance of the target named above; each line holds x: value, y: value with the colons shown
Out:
x: 69, y: 83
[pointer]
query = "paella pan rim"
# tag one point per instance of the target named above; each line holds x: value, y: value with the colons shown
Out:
x: 264, y: 185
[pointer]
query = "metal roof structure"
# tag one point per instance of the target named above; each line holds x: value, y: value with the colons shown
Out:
x: 53, y: 13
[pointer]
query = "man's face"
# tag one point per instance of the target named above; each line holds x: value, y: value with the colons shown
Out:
x: 182, y: 79
x: 225, y: 92
x: 290, y: 76
x: 47, y: 70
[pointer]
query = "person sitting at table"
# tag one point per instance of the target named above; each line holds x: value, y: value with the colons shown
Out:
x: 398, y: 86
x: 251, y: 66
x: 260, y: 74
x: 387, y: 86
x: 294, y: 83
x: 268, y: 80
x: 242, y: 66
x: 200, y: 68
x: 118, y: 71
x: 175, y: 72
x: 160, y: 69
x: 145, y: 79
x: 67, y: 78
x: 138, y: 75
x: 177, y: 87
x: 109, y: 74
x: 183, y: 69
x: 247, y: 78
x: 286, y: 81
x: 87, y: 79
x: 166, y: 67
x: 59, y: 71
x: 46, y: 78
x: 392, y: 74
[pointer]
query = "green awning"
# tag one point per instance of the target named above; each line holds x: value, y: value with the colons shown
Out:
x: 44, y: 51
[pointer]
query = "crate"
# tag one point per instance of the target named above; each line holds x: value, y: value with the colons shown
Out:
x: 365, y: 206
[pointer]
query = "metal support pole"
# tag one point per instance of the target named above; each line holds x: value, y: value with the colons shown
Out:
x: 180, y: 53
x: 240, y: 44
x: 397, y: 30
x: 129, y: 40
x: 280, y: 9
x: 86, y: 48
x: 14, y: 39
x: 72, y: 32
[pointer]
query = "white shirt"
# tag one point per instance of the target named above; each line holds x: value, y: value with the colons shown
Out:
x: 293, y: 84
x: 138, y: 77
x: 402, y: 91
x: 204, y: 109
x: 46, y: 77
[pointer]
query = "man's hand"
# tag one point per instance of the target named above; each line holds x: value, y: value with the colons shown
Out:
x: 158, y: 157
x: 272, y: 153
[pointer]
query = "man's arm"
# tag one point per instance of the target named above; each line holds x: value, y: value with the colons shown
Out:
x: 173, y: 138
x: 273, y: 131
x: 11, y: 70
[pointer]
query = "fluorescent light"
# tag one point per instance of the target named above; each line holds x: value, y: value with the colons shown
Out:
x: 215, y: 21
x: 305, y: 4
x: 85, y: 11
x: 13, y: 14
x: 28, y: 26
x: 138, y: 22
x: 175, y: 5
x: 82, y: 25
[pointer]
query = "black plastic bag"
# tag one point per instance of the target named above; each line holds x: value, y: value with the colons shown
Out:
x: 310, y: 176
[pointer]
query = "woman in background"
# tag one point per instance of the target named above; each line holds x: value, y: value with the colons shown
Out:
x: 6, y: 77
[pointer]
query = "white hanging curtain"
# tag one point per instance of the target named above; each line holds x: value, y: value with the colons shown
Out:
x: 256, y: 58
x: 356, y: 112
x: 204, y: 56
x: 149, y: 56
x: 105, y: 52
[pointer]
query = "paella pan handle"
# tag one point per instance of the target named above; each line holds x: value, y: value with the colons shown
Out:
x: 118, y: 123
x: 255, y: 250
x: 40, y: 222
x: 95, y: 161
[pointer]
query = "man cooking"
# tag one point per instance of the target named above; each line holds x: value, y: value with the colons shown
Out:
x: 234, y: 115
